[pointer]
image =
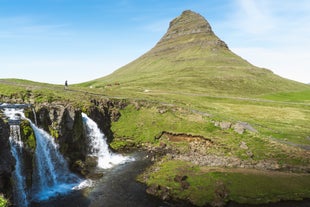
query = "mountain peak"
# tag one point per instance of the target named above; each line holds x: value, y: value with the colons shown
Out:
x: 187, y: 23
x: 189, y: 30
x: 191, y: 58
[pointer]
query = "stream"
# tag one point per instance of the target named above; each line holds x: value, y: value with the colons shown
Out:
x: 117, y: 187
x: 53, y: 185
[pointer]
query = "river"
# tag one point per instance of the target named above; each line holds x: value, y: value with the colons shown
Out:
x: 117, y: 188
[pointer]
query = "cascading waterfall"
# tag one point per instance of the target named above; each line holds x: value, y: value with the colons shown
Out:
x: 51, y: 172
x: 19, y: 187
x: 98, y: 146
x: 35, y: 116
x: 16, y: 144
x: 51, y: 175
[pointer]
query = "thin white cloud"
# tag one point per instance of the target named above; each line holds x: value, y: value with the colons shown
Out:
x: 254, y: 16
x: 272, y: 34
x: 272, y: 21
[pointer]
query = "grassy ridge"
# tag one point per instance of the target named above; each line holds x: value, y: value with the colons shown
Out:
x: 239, y: 185
x: 25, y: 91
x: 197, y: 75
x: 301, y: 96
x: 144, y: 125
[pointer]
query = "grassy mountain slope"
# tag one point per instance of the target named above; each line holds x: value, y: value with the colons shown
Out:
x: 191, y: 58
x: 188, y: 82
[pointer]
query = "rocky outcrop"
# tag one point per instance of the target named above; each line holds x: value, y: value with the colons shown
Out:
x: 189, y: 30
x: 64, y: 122
x: 239, y: 127
x: 175, y: 137
x: 102, y: 116
x: 43, y: 118
x: 28, y: 138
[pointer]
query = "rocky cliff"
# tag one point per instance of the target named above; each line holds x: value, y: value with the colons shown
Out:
x: 187, y: 31
x: 64, y: 122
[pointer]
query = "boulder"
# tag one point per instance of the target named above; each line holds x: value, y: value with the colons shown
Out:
x: 225, y: 125
x: 180, y: 178
x: 238, y: 128
x: 243, y: 146
x: 241, y: 127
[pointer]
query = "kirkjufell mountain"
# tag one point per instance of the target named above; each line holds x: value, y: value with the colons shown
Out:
x: 191, y: 58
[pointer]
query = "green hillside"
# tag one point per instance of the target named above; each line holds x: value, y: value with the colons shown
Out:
x: 185, y: 100
x: 190, y: 58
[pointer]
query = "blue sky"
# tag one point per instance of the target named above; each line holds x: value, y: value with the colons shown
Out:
x: 80, y: 40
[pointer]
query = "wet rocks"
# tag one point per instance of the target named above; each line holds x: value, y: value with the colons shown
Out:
x: 220, y: 195
x: 87, y: 168
x: 64, y: 122
x: 160, y: 191
x: 182, y: 180
x: 43, y: 118
x: 104, y: 116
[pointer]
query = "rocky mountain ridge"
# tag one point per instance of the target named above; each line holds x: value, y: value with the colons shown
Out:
x: 188, y: 30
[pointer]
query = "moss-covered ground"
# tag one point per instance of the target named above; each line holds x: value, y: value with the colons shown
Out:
x: 3, y: 202
x: 239, y: 185
x: 282, y: 137
x: 281, y: 119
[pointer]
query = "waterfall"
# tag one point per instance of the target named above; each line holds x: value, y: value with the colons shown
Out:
x: 51, y: 176
x: 51, y: 173
x: 19, y: 186
x: 16, y: 144
x: 35, y: 116
x: 98, y: 146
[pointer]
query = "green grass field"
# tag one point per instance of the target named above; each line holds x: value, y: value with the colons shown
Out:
x: 239, y: 185
x: 185, y: 84
x: 282, y: 125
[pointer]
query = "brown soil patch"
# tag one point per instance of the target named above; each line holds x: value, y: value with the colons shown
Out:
x: 180, y: 137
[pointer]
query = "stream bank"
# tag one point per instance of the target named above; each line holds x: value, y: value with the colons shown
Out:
x: 117, y: 187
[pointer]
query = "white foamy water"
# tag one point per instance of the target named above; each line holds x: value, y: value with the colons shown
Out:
x: 51, y: 175
x: 16, y: 144
x: 99, y: 148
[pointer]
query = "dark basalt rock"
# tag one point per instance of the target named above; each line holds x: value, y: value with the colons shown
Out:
x: 43, y: 118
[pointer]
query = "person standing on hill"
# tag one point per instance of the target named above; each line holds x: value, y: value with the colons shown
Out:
x: 66, y: 84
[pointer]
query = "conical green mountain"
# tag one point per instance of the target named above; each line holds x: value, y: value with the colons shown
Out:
x: 191, y: 58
